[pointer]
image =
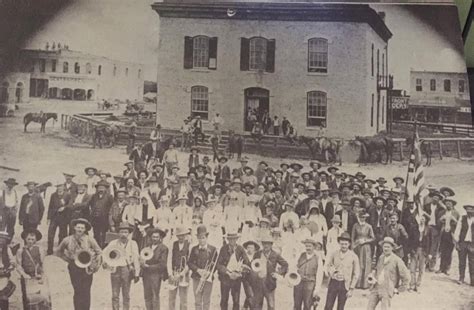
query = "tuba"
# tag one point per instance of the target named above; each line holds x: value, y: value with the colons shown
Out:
x: 293, y: 278
x: 86, y: 260
x: 146, y: 254
x: 113, y: 256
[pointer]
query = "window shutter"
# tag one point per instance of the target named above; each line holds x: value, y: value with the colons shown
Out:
x: 270, y: 65
x: 188, y: 52
x: 213, y: 53
x: 244, y: 54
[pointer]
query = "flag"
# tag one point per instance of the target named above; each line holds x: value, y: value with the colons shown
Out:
x: 416, y: 173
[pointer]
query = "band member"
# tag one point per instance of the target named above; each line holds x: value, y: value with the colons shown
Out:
x: 79, y: 203
x: 179, y: 255
x: 250, y: 279
x: 31, y: 208
x: 100, y: 204
x: 268, y: 284
x: 29, y: 259
x: 126, y: 269
x: 435, y: 209
x: 58, y: 216
x: 81, y: 278
x: 7, y: 264
x: 464, y: 238
x: 310, y: 268
x: 390, y: 269
x: 343, y: 270
x: 448, y: 226
x: 232, y: 257
x: 201, y: 262
x: 117, y: 209
x: 10, y: 201
x: 419, y: 249
x: 155, y: 269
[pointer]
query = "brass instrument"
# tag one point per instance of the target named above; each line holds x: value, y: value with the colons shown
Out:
x: 113, y: 256
x: 146, y: 254
x: 259, y: 266
x: 293, y: 278
x: 179, y: 276
x: 209, y: 271
x: 84, y: 259
x: 371, y: 278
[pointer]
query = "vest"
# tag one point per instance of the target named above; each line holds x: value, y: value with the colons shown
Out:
x: 177, y: 254
x: 462, y: 234
x: 308, y: 268
x: 28, y: 265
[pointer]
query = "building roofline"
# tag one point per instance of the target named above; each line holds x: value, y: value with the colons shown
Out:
x: 443, y: 72
x: 316, y: 12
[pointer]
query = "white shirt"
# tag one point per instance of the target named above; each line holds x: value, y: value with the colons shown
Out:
x: 131, y: 254
x: 289, y: 215
x: 163, y: 217
x: 79, y: 198
x: 183, y: 215
x: 432, y: 221
x: 91, y: 182
x: 457, y: 232
x: 10, y: 198
x: 320, y: 220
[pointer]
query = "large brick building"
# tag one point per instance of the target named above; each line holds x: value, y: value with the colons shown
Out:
x: 61, y: 73
x: 320, y: 65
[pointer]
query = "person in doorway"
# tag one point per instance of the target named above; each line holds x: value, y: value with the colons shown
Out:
x: 276, y: 126
x: 197, y: 126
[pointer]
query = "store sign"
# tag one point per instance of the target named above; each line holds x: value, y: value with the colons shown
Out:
x: 399, y: 103
x: 465, y: 109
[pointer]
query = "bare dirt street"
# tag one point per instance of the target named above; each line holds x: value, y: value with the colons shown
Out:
x: 43, y: 157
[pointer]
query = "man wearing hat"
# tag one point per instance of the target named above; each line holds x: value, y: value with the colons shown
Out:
x: 448, y: 226
x: 193, y: 160
x: 464, y: 239
x: 10, y: 201
x: 260, y: 172
x: 170, y: 157
x: 378, y: 219
x: 418, y: 248
x: 117, y: 209
x: 79, y: 203
x: 155, y: 269
x: 69, y: 186
x: 348, y: 217
x: 179, y: 254
x: 201, y: 256
x: 68, y: 249
x: 130, y: 171
x: 222, y: 170
x: 125, y: 268
x: 380, y: 184
x: 435, y: 210
x: 250, y: 279
x: 91, y: 179
x: 343, y: 269
x: 248, y: 177
x: 397, y: 232
x: 100, y: 205
x: 138, y: 156
x: 232, y: 257
x: 289, y: 220
x: 390, y: 270
x: 58, y: 216
x: 31, y: 208
x: 310, y: 268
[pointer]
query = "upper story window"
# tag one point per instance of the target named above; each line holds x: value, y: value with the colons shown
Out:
x: 447, y: 85
x: 88, y: 68
x: 200, y: 52
x: 378, y: 61
x: 200, y: 102
x: 433, y: 85
x: 383, y: 64
x: 53, y: 65
x: 316, y: 108
x: 462, y: 86
x: 318, y: 55
x: 99, y: 70
x: 257, y: 54
x: 42, y: 63
x: 419, y: 86
x: 77, y: 68
x: 65, y: 67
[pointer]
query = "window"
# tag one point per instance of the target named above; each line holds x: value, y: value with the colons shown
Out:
x: 433, y: 85
x: 383, y: 108
x: 200, y: 102
x: 139, y: 73
x: 200, y: 52
x: 372, y: 112
x: 318, y: 55
x: 65, y: 67
x: 53, y: 65
x: 115, y: 70
x: 99, y: 70
x: 447, y: 85
x: 316, y: 108
x: 126, y: 71
x: 461, y: 86
x: 372, y: 60
x: 378, y: 61
x: 258, y: 54
x: 77, y: 68
x: 383, y: 64
x: 42, y: 65
x: 88, y: 68
x: 419, y: 87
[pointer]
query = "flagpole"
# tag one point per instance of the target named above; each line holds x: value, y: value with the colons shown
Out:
x: 408, y: 168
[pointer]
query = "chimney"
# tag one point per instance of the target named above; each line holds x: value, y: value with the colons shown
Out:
x: 382, y: 15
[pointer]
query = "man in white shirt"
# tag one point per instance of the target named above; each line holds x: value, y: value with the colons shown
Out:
x: 217, y: 122
x: 124, y: 268
x: 464, y: 240
x: 170, y: 158
x: 10, y: 201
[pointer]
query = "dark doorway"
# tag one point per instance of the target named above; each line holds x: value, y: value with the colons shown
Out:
x: 79, y: 94
x: 19, y: 92
x: 66, y: 94
x: 90, y: 94
x: 257, y: 102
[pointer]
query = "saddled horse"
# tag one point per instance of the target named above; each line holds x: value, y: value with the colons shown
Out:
x: 377, y: 144
x: 107, y: 134
x: 41, y: 118
x: 326, y: 147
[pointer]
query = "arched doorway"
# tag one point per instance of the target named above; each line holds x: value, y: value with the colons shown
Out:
x: 79, y: 94
x: 257, y: 102
x: 19, y: 92
x: 54, y: 93
x: 66, y: 93
x: 4, y: 92
x: 90, y: 94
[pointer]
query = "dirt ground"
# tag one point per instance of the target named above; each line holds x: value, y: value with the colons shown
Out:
x: 43, y: 157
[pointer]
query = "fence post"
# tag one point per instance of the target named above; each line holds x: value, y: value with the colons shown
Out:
x: 401, y: 150
x: 440, y: 149
x: 458, y: 146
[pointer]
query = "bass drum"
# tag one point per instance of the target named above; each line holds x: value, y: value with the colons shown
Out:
x: 36, y: 294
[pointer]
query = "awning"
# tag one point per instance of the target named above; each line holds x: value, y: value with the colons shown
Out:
x: 71, y: 82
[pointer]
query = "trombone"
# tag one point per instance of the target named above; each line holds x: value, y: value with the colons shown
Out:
x: 208, y: 272
x: 179, y: 276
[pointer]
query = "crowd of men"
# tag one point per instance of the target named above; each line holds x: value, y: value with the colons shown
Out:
x: 256, y: 228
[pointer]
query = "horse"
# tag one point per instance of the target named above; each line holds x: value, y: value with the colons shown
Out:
x: 425, y: 149
x: 328, y: 148
x: 375, y: 144
x: 105, y: 133
x: 41, y: 118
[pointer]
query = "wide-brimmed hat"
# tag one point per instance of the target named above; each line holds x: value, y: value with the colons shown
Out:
x: 311, y: 241
x: 379, y: 198
x: 266, y: 238
x: 244, y: 159
x: 31, y: 183
x: 68, y: 175
x: 264, y: 220
x: 128, y: 163
x: 311, y: 188
x: 153, y: 230
x: 368, y: 192
x: 436, y: 193
x: 313, y: 163
x: 388, y: 240
x: 11, y: 181
x: 201, y: 230
x: 336, y: 219
x: 446, y: 189
x: 454, y: 202
x: 384, y: 190
x: 248, y: 242
x: 206, y: 159
x: 122, y: 190
x: 381, y: 180
x: 232, y: 235
x: 157, y: 165
x: 332, y: 168
x: 36, y: 232
x: 335, y: 191
x: 469, y: 208
x: 300, y: 166
x: 393, y: 199
x: 263, y: 163
x: 223, y: 158
x: 360, y: 200
x: 81, y: 220
x: 247, y: 168
x: 344, y: 236
x: 369, y: 181
x: 103, y: 172
x: 181, y: 231
x: 248, y: 184
x: 125, y: 225
x: 236, y: 181
x: 360, y: 174
x: 90, y: 168
x: 102, y: 183
x: 398, y: 178
x: 284, y: 164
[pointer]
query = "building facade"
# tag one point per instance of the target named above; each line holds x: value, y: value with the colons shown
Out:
x: 320, y: 66
x: 60, y: 73
x: 440, y: 97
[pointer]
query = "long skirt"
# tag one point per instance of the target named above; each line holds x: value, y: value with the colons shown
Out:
x: 364, y: 253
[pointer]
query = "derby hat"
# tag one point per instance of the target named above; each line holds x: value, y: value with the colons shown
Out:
x: 125, y: 226
x: 36, y: 232
x: 81, y: 220
x: 202, y: 230
x: 344, y: 236
x: 388, y: 240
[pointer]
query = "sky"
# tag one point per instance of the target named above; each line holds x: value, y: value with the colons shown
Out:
x: 423, y: 37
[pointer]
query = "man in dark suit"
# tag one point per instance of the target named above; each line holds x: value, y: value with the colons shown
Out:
x: 435, y: 210
x: 193, y: 161
x: 100, y: 205
x: 155, y: 269
x: 378, y: 220
x: 179, y: 256
x: 31, y: 208
x: 222, y: 171
x: 348, y: 217
x: 58, y: 216
x: 69, y: 185
x: 302, y: 208
x: 464, y: 240
x: 232, y: 257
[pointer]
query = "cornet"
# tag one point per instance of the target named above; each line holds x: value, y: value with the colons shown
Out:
x: 146, y: 254
x: 179, y: 276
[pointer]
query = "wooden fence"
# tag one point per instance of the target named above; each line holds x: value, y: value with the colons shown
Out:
x: 462, y: 129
